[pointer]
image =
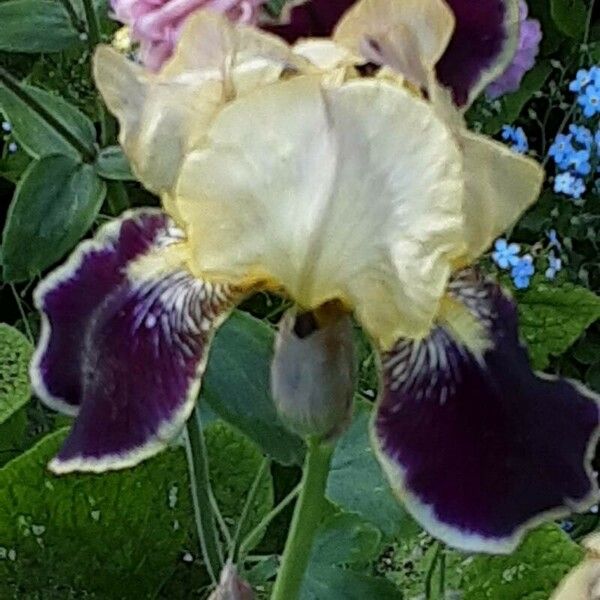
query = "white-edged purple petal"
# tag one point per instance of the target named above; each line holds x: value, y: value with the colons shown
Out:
x: 477, y: 446
x: 124, y: 342
x: 484, y: 42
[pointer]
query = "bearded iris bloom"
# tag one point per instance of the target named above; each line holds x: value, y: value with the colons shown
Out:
x: 281, y: 168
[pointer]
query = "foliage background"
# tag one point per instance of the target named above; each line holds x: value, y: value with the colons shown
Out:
x: 131, y: 535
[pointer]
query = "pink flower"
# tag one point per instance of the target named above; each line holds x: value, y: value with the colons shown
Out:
x: 524, y: 59
x: 156, y: 24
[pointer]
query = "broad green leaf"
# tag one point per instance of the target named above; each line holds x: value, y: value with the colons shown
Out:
x: 54, y: 205
x: 14, y: 437
x: 15, y: 354
x: 236, y: 386
x: 532, y: 572
x: 111, y: 163
x: 357, y: 484
x: 511, y: 105
x: 345, y: 540
x: 36, y: 26
x: 34, y: 133
x: 553, y: 317
x: 12, y: 166
x: 569, y: 16
x: 234, y: 462
x: 119, y: 535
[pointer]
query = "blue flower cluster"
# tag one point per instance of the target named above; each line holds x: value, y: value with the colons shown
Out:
x: 516, y: 136
x: 506, y: 256
x: 587, y: 87
x: 573, y: 154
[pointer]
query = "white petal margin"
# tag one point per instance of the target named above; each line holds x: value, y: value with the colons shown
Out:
x: 148, y: 285
x: 500, y: 185
x: 512, y: 26
x: 330, y: 198
x: 467, y: 541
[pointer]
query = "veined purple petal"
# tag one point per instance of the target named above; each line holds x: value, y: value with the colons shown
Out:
x: 121, y: 347
x: 311, y: 18
x: 484, y: 42
x: 477, y: 446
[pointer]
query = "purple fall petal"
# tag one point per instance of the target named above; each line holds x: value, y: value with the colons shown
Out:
x: 479, y: 447
x: 313, y: 18
x: 485, y: 37
x: 524, y: 60
x: 123, y: 349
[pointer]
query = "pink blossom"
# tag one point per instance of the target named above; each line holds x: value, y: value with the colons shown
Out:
x: 524, y: 58
x: 156, y: 24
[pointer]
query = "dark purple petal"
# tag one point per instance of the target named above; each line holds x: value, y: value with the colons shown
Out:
x: 123, y: 343
x: 484, y: 42
x: 478, y: 446
x: 314, y: 18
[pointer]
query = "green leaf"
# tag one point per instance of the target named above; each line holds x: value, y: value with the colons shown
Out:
x: 111, y: 163
x: 357, y: 484
x: 511, y: 105
x: 36, y: 26
x: 553, y: 317
x: 32, y: 130
x: 234, y: 462
x: 570, y: 16
x: 237, y: 386
x: 130, y: 526
x: 532, y: 572
x: 345, y: 540
x: 54, y: 205
x: 133, y: 527
x: 15, y: 355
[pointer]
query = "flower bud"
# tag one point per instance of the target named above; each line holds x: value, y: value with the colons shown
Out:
x: 313, y: 371
x: 231, y: 586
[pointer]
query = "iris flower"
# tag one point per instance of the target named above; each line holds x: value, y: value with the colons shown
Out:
x: 286, y: 169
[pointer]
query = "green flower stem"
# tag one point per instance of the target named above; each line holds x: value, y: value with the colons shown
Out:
x: 13, y: 84
x: 431, y: 570
x: 203, y: 512
x: 307, y: 516
x: 75, y: 21
x: 93, y: 24
x: 234, y: 549
x: 252, y: 537
x: 107, y: 125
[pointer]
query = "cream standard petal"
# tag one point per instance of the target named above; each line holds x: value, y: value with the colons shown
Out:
x: 499, y: 186
x: 330, y: 198
x: 243, y: 57
x: 163, y: 115
x: 408, y: 35
x: 155, y: 116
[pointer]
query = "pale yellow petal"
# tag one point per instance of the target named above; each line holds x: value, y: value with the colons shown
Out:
x: 163, y: 115
x: 325, y: 54
x: 330, y: 199
x: 158, y: 120
x: 408, y: 35
x: 243, y: 57
x: 499, y: 186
